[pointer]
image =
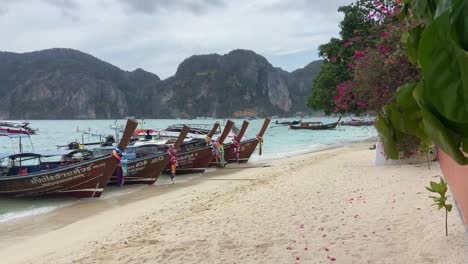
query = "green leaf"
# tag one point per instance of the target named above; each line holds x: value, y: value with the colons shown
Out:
x: 387, y: 136
x: 422, y: 9
x: 459, y: 20
x: 444, y: 67
x: 406, y: 116
x: 403, y: 12
x: 443, y: 6
x: 465, y: 144
x: 435, y: 186
x: 449, y: 207
x: 411, y: 39
x: 443, y: 137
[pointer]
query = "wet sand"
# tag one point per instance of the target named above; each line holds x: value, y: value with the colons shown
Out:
x: 324, y: 207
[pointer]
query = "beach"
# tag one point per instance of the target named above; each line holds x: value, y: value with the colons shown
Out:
x: 331, y: 206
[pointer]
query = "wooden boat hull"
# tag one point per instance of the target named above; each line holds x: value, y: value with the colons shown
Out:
x: 193, y: 161
x: 143, y: 170
x: 246, y: 151
x: 355, y: 123
x: 85, y: 179
x: 322, y: 127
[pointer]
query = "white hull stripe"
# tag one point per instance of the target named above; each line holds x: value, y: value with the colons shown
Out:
x: 85, y: 190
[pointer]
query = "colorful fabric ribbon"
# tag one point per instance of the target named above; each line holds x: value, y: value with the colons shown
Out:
x: 119, y: 155
x: 236, y: 147
x: 260, y: 142
x: 221, y: 151
x: 208, y: 140
x: 173, y: 154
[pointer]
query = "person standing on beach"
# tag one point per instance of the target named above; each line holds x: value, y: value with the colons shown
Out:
x: 148, y: 135
x: 221, y: 155
x: 173, y: 154
x: 215, y: 150
x: 236, y: 147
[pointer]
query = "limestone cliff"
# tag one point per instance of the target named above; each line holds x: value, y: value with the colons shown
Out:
x: 65, y: 83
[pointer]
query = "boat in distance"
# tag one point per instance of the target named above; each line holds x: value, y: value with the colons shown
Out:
x: 315, y: 125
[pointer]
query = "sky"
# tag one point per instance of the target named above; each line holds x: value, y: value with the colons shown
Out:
x: 158, y: 35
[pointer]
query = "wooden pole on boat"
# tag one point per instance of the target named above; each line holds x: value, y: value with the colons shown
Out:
x: 227, y: 129
x: 117, y: 153
x: 213, y: 130
x: 264, y: 127
x: 261, y: 133
x: 182, y: 135
x: 245, y: 124
x: 128, y: 132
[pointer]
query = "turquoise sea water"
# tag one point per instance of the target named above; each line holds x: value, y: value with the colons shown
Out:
x: 279, y: 141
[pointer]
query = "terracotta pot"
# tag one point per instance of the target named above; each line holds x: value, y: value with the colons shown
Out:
x: 457, y: 178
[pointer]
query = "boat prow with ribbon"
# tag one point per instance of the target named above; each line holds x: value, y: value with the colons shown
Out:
x: 195, y: 156
x: 143, y: 164
x: 86, y: 179
x: 240, y: 151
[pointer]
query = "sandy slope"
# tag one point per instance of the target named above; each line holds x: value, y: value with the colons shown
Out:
x: 327, y: 207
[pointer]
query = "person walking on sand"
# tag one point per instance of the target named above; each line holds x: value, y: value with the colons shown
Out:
x: 236, y: 147
x: 173, y: 154
x: 148, y: 136
x: 215, y: 150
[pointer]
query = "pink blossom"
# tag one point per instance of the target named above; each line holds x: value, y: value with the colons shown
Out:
x: 384, y: 35
x: 358, y: 54
x: 360, y: 104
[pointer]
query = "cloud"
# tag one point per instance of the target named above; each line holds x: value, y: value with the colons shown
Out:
x: 68, y: 8
x: 154, y: 6
x: 158, y: 35
x: 326, y: 7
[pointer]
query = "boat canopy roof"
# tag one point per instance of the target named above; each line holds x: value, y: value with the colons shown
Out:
x: 56, y: 152
x: 95, y: 133
x: 26, y: 154
x: 46, y: 153
x: 14, y: 135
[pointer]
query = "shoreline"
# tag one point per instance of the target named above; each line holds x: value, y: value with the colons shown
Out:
x: 253, y: 215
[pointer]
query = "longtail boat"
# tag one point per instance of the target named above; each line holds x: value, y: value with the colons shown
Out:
x: 148, y: 163
x: 17, y: 124
x: 195, y: 156
x: 354, y: 122
x: 84, y: 179
x: 247, y: 147
x: 315, y: 125
x: 287, y: 123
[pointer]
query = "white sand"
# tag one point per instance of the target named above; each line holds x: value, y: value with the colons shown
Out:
x: 313, y: 208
